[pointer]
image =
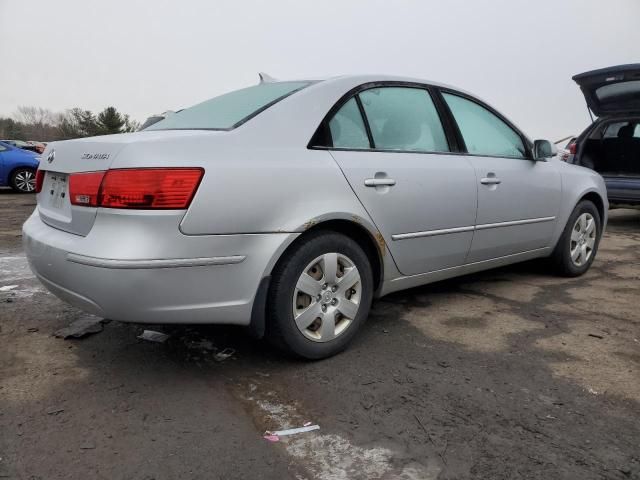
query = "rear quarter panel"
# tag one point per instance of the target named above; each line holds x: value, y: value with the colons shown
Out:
x: 269, y: 190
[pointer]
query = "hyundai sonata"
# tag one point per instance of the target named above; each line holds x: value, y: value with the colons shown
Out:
x: 288, y: 206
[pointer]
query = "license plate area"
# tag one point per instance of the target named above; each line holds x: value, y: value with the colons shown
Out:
x: 57, y: 190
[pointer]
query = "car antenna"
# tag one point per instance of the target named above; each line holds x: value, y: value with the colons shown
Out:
x: 266, y: 78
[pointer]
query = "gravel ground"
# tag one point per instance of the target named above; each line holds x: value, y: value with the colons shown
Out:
x: 507, y: 374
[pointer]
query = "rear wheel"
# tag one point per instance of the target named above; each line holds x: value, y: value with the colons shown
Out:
x: 320, y: 295
x: 578, y: 244
x: 23, y: 180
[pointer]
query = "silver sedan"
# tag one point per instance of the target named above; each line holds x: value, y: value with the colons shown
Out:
x: 289, y: 206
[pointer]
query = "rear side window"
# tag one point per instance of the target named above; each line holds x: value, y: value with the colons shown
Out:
x: 229, y: 110
x: 347, y: 127
x: 483, y: 132
x: 403, y: 118
x: 611, y: 131
x: 622, y: 130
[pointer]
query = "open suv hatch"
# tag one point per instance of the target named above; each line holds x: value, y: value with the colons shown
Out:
x: 611, y: 144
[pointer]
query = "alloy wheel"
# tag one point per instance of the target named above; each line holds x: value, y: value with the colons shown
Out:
x: 583, y: 239
x: 25, y: 181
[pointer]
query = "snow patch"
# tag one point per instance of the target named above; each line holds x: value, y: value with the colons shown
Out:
x: 329, y: 456
x: 17, y: 279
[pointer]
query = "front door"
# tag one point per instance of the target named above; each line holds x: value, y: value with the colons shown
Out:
x: 518, y: 198
x: 421, y: 198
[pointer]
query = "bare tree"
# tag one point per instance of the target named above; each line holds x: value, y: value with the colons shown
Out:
x: 35, y: 115
x: 37, y: 123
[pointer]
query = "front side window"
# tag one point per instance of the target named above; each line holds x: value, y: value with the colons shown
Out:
x: 229, y: 110
x: 347, y: 127
x: 403, y: 118
x: 483, y: 132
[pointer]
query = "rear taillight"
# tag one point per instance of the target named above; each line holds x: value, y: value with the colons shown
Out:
x: 138, y: 188
x: 39, y: 180
x: 84, y: 188
x: 573, y: 148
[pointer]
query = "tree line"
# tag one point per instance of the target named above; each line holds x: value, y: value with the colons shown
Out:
x: 41, y: 124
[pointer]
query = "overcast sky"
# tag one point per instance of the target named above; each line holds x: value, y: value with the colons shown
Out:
x: 145, y: 57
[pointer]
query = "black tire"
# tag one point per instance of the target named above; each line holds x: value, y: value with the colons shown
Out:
x: 23, y: 180
x: 282, y: 330
x: 561, y: 256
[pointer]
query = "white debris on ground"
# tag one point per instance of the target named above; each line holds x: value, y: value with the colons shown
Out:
x: 153, y: 336
x: 16, y: 279
x: 331, y: 456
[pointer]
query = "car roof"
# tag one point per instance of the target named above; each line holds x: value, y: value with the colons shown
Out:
x: 296, y: 118
x: 359, y: 79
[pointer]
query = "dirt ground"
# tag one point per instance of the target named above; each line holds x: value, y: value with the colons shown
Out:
x: 507, y: 374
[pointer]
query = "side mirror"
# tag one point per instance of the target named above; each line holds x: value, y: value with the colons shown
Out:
x: 543, y: 150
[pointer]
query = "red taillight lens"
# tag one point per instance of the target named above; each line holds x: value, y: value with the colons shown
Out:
x: 150, y: 188
x: 573, y: 148
x: 39, y: 180
x: 141, y: 188
x: 84, y: 188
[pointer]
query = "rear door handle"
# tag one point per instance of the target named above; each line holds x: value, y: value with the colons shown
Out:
x: 490, y: 181
x: 379, y: 182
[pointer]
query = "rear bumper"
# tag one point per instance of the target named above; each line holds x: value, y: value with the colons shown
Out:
x: 107, y: 274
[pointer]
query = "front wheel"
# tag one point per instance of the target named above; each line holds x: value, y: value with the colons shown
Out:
x: 23, y: 180
x: 320, y: 295
x: 579, y: 241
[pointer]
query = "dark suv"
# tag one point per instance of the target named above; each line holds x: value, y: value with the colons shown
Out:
x: 611, y: 144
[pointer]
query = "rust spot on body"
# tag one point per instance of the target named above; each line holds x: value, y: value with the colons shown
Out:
x: 381, y: 243
x: 309, y: 224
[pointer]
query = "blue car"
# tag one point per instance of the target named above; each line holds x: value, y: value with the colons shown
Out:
x: 18, y: 168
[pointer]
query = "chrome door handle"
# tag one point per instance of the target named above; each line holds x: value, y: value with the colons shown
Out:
x: 379, y: 182
x: 490, y: 181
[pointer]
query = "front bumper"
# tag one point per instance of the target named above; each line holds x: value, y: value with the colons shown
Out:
x: 126, y: 271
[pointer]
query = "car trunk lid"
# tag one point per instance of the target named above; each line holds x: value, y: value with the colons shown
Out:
x: 62, y: 159
x: 612, y: 90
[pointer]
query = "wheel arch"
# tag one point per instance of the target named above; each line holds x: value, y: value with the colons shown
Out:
x: 593, y: 196
x: 15, y: 168
x: 369, y: 238
x: 372, y: 243
x: 597, y: 200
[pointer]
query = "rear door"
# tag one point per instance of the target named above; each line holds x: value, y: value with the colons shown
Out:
x: 393, y: 149
x: 518, y: 198
x: 612, y: 90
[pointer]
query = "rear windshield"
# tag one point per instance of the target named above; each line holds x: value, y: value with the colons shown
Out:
x: 622, y: 90
x: 230, y: 110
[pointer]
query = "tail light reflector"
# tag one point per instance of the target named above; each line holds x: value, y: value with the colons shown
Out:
x: 39, y: 180
x: 136, y: 188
